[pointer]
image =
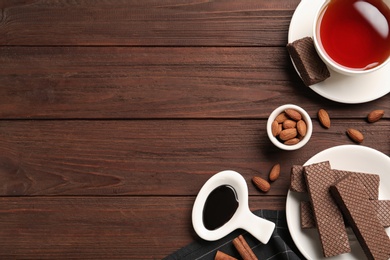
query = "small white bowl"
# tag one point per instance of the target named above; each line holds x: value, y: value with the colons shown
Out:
x: 305, y: 117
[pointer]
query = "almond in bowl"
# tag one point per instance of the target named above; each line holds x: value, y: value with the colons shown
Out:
x: 289, y: 127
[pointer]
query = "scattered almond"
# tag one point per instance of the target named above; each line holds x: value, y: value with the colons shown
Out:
x: 262, y: 184
x: 355, y: 135
x: 293, y: 114
x: 301, y: 128
x: 324, y: 118
x: 281, y: 118
x: 288, y: 134
x: 375, y: 115
x: 275, y: 172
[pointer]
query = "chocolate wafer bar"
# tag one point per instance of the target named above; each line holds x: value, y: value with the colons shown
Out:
x: 307, y: 217
x: 297, y: 182
x: 370, y: 181
x: 382, y: 210
x: 330, y: 224
x: 353, y: 200
x: 309, y: 65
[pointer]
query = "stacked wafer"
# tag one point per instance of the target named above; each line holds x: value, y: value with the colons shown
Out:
x: 309, y: 65
x: 323, y: 209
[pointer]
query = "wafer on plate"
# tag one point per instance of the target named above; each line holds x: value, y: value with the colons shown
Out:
x: 353, y: 200
x: 330, y: 224
x: 382, y: 210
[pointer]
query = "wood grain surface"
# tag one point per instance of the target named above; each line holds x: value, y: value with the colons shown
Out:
x: 145, y: 23
x: 113, y: 114
x: 119, y: 82
x: 152, y: 157
x: 99, y: 227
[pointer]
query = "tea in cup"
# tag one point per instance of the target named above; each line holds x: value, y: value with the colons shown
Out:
x: 353, y: 36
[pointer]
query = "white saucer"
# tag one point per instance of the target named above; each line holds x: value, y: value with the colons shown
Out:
x: 338, y: 87
x: 344, y: 157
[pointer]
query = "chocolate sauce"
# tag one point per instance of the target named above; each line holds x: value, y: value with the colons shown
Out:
x: 220, y: 206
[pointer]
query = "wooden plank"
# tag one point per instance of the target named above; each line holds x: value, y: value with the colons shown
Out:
x: 93, y: 82
x: 148, y: 22
x: 100, y: 228
x: 153, y: 157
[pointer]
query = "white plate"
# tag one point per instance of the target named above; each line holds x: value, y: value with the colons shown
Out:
x: 338, y: 87
x: 344, y: 157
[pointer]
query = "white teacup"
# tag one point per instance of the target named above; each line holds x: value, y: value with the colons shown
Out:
x: 377, y: 19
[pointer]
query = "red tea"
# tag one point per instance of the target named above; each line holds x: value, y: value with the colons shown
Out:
x: 355, y: 33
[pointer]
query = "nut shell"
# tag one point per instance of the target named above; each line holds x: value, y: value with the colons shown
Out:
x: 275, y: 172
x: 292, y: 141
x: 301, y: 128
x: 293, y: 114
x: 324, y: 118
x: 281, y: 118
x: 289, y: 124
x: 355, y: 135
x: 288, y: 134
x: 275, y: 128
x: 375, y: 115
x: 261, y: 184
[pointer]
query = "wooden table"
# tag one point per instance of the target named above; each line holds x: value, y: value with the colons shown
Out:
x: 115, y: 113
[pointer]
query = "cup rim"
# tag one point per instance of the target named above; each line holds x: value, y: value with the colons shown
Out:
x: 327, y: 59
x: 306, y: 118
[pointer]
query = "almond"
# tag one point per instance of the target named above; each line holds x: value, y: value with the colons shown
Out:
x: 301, y: 128
x: 375, y: 115
x: 288, y: 134
x: 323, y: 116
x: 289, y: 124
x: 280, y: 128
x: 275, y: 128
x: 274, y: 173
x: 293, y: 114
x: 262, y: 184
x: 355, y: 135
x: 281, y: 118
x: 292, y: 141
